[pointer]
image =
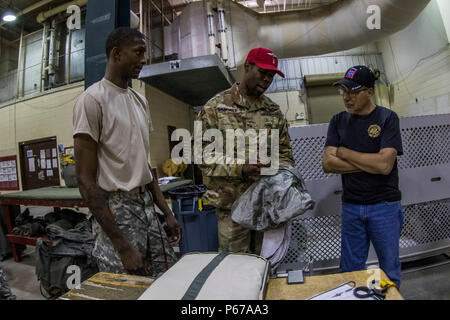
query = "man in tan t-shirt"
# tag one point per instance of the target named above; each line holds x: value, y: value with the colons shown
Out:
x: 111, y: 138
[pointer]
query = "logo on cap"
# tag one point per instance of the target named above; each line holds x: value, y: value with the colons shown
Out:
x: 273, y: 56
x: 351, y: 73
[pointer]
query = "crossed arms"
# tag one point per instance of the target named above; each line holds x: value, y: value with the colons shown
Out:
x: 343, y: 160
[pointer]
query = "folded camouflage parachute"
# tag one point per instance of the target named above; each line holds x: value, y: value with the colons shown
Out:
x: 272, y: 200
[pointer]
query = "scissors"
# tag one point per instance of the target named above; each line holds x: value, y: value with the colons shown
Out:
x: 372, y: 291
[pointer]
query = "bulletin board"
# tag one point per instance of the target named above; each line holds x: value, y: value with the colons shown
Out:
x: 9, y: 177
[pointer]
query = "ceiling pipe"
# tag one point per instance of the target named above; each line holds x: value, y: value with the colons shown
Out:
x: 222, y: 30
x: 211, y: 30
x: 52, y: 12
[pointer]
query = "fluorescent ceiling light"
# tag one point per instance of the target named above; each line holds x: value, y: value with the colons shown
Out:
x: 9, y: 16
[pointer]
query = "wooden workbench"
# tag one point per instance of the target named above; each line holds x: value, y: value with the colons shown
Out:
x: 56, y: 197
x: 277, y: 289
x: 108, y: 286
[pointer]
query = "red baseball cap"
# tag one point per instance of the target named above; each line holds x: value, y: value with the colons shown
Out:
x: 265, y: 59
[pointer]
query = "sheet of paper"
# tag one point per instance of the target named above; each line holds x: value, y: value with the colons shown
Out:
x: 49, y: 163
x: 54, y: 152
x: 42, y: 154
x: 49, y: 173
x: 55, y: 163
x: 42, y: 163
x: 342, y: 292
x: 29, y: 153
x: 31, y: 167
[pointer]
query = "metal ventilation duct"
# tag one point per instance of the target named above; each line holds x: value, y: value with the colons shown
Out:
x: 336, y: 27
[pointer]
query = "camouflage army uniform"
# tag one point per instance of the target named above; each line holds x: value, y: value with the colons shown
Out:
x: 232, y: 110
x: 134, y: 214
x: 5, y: 291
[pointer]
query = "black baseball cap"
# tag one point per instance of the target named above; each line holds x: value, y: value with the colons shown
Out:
x: 357, y: 77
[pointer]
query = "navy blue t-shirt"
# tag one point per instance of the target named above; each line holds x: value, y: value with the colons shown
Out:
x: 367, y: 134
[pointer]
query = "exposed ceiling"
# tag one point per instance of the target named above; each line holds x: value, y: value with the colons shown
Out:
x: 171, y: 8
x: 11, y: 30
x: 266, y: 5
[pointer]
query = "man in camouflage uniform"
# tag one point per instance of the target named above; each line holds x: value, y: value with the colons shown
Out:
x: 5, y: 291
x: 243, y: 106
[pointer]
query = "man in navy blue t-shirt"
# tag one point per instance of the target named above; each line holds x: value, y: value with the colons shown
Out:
x: 362, y: 145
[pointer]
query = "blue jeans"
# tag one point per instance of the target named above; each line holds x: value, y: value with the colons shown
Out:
x: 380, y: 223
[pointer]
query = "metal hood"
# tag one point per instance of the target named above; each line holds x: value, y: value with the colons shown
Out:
x: 193, y: 81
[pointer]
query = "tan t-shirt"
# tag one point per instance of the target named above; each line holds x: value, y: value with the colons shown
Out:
x: 119, y: 121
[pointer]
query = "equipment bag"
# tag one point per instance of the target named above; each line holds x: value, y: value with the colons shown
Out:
x: 51, y: 269
x: 212, y: 276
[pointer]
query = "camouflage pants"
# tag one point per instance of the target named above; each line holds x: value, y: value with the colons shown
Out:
x: 5, y: 291
x: 235, y: 238
x: 135, y: 216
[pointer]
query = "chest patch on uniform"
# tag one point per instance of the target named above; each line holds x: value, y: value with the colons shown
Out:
x: 374, y: 131
x: 227, y: 109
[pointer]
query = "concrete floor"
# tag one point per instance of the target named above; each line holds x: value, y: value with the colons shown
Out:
x: 427, y: 279
x: 22, y: 277
x: 421, y: 280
